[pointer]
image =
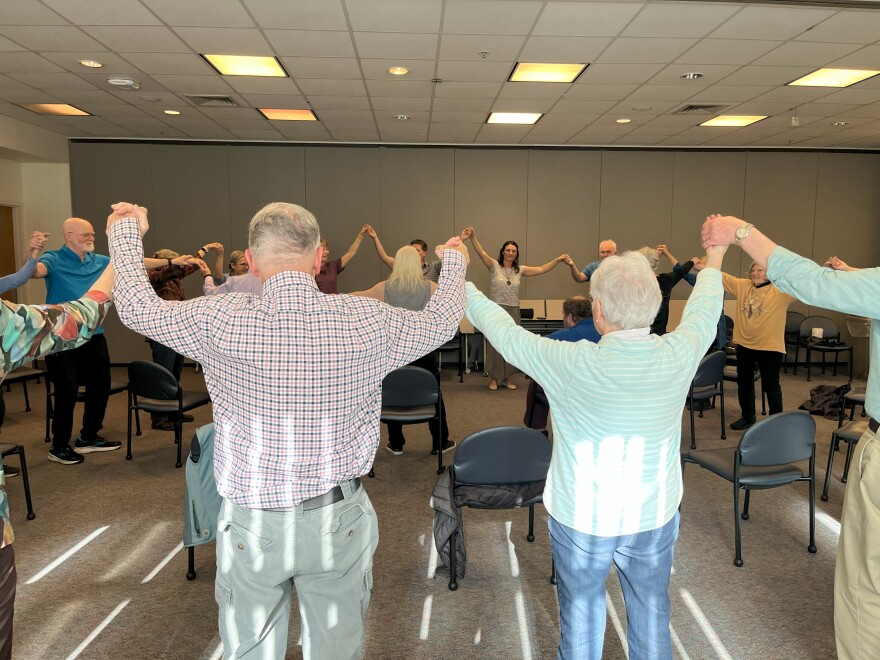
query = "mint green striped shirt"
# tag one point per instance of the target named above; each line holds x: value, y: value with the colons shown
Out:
x: 617, y: 408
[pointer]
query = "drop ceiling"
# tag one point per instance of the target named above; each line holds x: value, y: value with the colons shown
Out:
x: 459, y: 54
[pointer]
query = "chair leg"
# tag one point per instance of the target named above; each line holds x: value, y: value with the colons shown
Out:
x: 371, y: 474
x: 737, y: 559
x: 530, y: 537
x: 49, y: 411
x: 552, y: 570
x: 26, y: 483
x: 808, y: 364
x: 723, y: 424
x: 178, y: 438
x: 693, y: 430
x: 453, y: 581
x: 191, y: 563
x: 850, y: 448
x: 812, y: 547
x: 27, y: 399
x: 746, y: 500
x: 137, y: 418
x: 128, y: 451
x: 831, y: 451
x: 849, y: 365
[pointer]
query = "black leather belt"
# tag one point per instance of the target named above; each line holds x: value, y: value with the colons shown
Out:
x: 872, y: 424
x: 332, y: 496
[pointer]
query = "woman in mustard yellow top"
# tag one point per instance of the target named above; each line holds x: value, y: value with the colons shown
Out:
x: 759, y: 335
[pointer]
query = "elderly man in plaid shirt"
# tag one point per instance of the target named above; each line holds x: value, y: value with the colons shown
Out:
x: 296, y: 381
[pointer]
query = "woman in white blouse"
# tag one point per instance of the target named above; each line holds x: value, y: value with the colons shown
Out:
x: 505, y: 273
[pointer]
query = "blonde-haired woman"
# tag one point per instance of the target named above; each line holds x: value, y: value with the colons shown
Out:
x: 406, y: 288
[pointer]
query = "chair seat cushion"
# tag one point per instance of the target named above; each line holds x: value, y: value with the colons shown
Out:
x: 720, y: 461
x: 191, y: 399
x: 408, y: 415
x: 852, y: 431
x: 704, y: 393
x: 116, y: 386
x: 499, y: 496
x: 22, y: 374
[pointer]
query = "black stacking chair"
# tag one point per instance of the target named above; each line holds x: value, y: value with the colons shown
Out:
x: 116, y: 387
x: 454, y: 345
x: 502, y: 456
x: 830, y: 343
x: 793, y: 322
x: 850, y: 432
x: 8, y: 449
x: 154, y: 389
x: 23, y: 375
x: 708, y: 384
x: 765, y: 458
x: 411, y: 395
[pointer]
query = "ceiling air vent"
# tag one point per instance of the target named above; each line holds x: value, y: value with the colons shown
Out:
x: 212, y: 100
x: 701, y: 109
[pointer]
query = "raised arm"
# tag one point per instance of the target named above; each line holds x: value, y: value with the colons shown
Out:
x: 531, y: 271
x: 353, y: 248
x: 839, y: 264
x: 151, y: 264
x: 664, y: 250
x: 576, y: 274
x: 36, y: 245
x: 478, y: 248
x: 388, y: 261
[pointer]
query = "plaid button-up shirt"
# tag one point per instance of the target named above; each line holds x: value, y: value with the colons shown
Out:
x: 295, y: 375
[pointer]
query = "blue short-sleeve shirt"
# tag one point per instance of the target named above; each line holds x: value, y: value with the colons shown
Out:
x: 70, y: 277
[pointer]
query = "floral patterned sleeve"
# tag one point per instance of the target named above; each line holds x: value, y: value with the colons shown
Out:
x: 33, y: 331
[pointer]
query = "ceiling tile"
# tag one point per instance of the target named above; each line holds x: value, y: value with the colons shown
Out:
x: 557, y: 120
x: 473, y: 90
x: 453, y: 133
x: 587, y: 107
x: 677, y: 93
x: 528, y: 90
x: 599, y: 92
x: 340, y: 102
x: 401, y: 105
x: 194, y: 84
x: 7, y: 45
x: 11, y: 83
x: 729, y: 93
x: 459, y: 117
x: 852, y: 96
x: 581, y: 50
x: 208, y: 13
x: 864, y: 58
x: 91, y: 98
x: 137, y: 98
x: 319, y: 87
x: 402, y: 88
x: 302, y: 14
x: 321, y: 67
x: 378, y: 69
x: 150, y: 39
x: 335, y: 116
x: 261, y: 85
x: 470, y: 47
x: 311, y: 44
x: 221, y: 114
x: 727, y: 51
x: 302, y: 130
x: 762, y: 108
x: 29, y: 12
x: 825, y: 109
x: 255, y: 123
x: 639, y: 140
x: 626, y: 50
x: 52, y: 81
x: 292, y: 101
x: 643, y: 107
x: 793, y: 95
x: 523, y: 105
x: 457, y: 71
x: 680, y: 121
x: 618, y: 74
x: 766, y: 75
x: 462, y: 105
x: 860, y: 27
x: 771, y: 22
x: 690, y: 19
x: 28, y: 95
x: 394, y: 15
x: 70, y: 62
x: 169, y: 63
x: 259, y: 135
x: 395, y: 45
x: 209, y: 134
x: 390, y: 118
x: 349, y: 126
x: 356, y: 136
x: 51, y: 37
x: 803, y: 53
x: 121, y: 110
x: 712, y: 73
x: 97, y: 12
x: 225, y: 41
x: 585, y: 19
x: 490, y: 17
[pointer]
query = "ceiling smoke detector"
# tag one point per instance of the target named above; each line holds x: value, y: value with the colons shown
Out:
x: 124, y: 83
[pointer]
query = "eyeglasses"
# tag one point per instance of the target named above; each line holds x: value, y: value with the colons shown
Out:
x: 87, y: 234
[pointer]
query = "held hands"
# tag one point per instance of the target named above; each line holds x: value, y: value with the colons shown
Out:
x: 569, y: 261
x: 215, y: 246
x: 369, y: 231
x: 127, y: 210
x: 203, y: 267
x: 837, y: 264
x: 663, y: 249
x: 37, y: 243
x: 720, y: 230
x: 563, y: 258
x: 466, y: 233
x: 183, y: 260
x: 454, y: 243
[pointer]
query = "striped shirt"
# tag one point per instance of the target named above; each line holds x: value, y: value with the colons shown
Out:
x: 295, y: 376
x: 616, y: 411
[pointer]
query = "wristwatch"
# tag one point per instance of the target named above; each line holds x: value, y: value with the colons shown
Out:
x: 742, y: 233
x: 169, y: 262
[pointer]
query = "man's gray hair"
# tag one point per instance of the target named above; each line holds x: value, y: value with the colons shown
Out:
x: 652, y: 257
x: 281, y: 233
x: 628, y: 290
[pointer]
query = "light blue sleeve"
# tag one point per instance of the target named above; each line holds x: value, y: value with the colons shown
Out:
x: 852, y: 292
x: 15, y: 280
x: 699, y: 321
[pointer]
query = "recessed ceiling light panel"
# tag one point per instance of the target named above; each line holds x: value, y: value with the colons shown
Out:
x: 834, y: 78
x: 623, y: 121
x: 285, y: 114
x: 546, y: 72
x: 734, y: 120
x: 514, y: 117
x: 91, y: 64
x: 55, y: 109
x: 171, y: 112
x: 398, y: 71
x: 246, y: 65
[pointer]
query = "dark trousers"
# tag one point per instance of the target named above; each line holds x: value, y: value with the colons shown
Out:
x: 537, y: 411
x: 769, y: 364
x: 8, y: 579
x: 87, y: 365
x: 168, y: 358
x: 439, y: 430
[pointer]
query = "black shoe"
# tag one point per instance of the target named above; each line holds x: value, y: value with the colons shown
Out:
x: 742, y: 423
x: 397, y: 451
x: 98, y: 444
x: 163, y: 425
x: 10, y: 471
x: 187, y: 418
x: 65, y: 456
x: 449, y: 444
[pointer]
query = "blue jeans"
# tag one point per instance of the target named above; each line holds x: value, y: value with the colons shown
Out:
x: 644, y: 563
x: 326, y: 554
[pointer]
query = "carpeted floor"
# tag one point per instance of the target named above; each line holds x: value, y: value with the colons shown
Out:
x: 121, y: 592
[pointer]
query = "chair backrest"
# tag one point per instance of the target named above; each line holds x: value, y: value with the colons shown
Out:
x: 728, y: 326
x: 711, y: 369
x: 793, y: 322
x: 408, y: 387
x: 151, y: 380
x: 829, y: 327
x: 502, y: 455
x: 786, y: 437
